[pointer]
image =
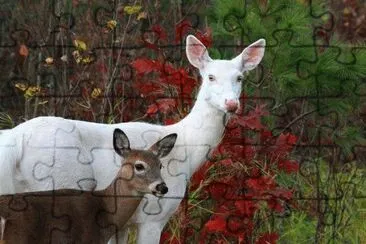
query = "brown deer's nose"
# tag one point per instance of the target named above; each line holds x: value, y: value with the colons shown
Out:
x: 162, y: 188
x: 231, y: 105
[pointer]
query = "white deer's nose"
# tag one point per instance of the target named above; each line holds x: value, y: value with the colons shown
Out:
x: 231, y: 105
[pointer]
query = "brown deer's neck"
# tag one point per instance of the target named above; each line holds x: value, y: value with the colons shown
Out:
x: 125, y: 202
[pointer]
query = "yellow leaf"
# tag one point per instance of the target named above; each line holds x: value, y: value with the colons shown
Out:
x: 31, y: 91
x: 87, y: 59
x: 80, y: 45
x: 23, y: 50
x: 111, y: 24
x: 142, y: 15
x: 21, y: 86
x: 78, y: 59
x: 96, y: 92
x: 49, y: 60
x: 132, y: 9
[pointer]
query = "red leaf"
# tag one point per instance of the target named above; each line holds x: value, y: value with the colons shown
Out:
x: 23, y: 50
x: 225, y: 162
x: 102, y: 68
x: 283, y: 194
x: 253, y: 119
x: 268, y: 238
x: 159, y: 31
x: 169, y: 121
x: 266, y: 136
x: 166, y: 104
x: 250, y: 121
x: 167, y: 237
x: 275, y: 204
x: 200, y: 174
x: 148, y: 88
x: 181, y: 29
x: 246, y: 207
x: 205, y: 38
x: 261, y: 183
x: 163, y: 105
x: 152, y: 109
x: 218, y: 190
x: 145, y: 66
x: 216, y: 224
x: 284, y: 144
x: 289, y: 166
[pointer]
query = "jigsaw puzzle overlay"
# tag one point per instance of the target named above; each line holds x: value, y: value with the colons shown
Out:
x: 286, y: 166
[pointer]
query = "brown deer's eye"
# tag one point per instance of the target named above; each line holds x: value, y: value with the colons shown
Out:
x: 161, y: 166
x: 139, y: 167
x: 211, y: 78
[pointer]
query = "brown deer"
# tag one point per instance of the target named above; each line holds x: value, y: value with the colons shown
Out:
x: 76, y: 216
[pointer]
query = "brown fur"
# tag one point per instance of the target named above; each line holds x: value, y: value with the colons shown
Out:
x: 73, y: 216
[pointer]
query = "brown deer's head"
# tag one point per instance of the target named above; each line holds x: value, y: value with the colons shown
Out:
x: 141, y: 168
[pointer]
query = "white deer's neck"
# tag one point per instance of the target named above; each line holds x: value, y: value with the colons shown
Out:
x: 203, y: 129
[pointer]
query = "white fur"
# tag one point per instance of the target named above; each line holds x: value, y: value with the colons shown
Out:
x: 72, y: 150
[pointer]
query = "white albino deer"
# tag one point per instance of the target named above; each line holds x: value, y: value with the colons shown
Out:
x: 87, y: 211
x: 79, y: 150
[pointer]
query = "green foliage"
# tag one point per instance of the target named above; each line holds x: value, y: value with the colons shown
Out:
x: 293, y: 67
x: 316, y: 80
x: 6, y: 122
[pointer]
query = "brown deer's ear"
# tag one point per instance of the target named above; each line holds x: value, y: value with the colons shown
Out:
x: 164, y: 146
x: 121, y: 144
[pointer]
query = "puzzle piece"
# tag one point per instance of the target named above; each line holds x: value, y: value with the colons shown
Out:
x: 311, y: 81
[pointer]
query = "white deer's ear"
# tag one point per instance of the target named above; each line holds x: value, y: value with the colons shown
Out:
x: 197, y: 52
x: 121, y: 144
x: 251, y: 56
x: 164, y: 146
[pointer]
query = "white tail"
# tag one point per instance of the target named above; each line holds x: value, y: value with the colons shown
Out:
x: 54, y: 147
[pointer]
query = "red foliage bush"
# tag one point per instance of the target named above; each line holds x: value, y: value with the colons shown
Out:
x: 241, y: 174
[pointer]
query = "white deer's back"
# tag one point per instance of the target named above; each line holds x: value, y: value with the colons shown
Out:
x: 52, y: 153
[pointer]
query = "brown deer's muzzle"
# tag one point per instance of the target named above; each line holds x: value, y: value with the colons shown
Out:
x: 160, y: 190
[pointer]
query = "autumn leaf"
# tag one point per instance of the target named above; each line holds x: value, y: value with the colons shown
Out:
x: 145, y: 66
x: 159, y: 31
x: 87, y: 59
x: 163, y: 105
x: 268, y: 238
x: 96, y: 92
x: 261, y: 183
x: 23, y: 50
x: 32, y: 91
x: 142, y: 15
x: 152, y: 109
x: 21, y: 86
x: 49, y: 60
x: 80, y: 45
x: 200, y: 174
x: 218, y: 190
x: 111, y: 24
x: 246, y: 207
x: 132, y: 9
x: 205, y: 38
x: 216, y: 224
x: 289, y: 166
x: 181, y: 29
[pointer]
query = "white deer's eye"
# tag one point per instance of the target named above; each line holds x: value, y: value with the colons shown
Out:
x: 240, y: 78
x: 211, y: 78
